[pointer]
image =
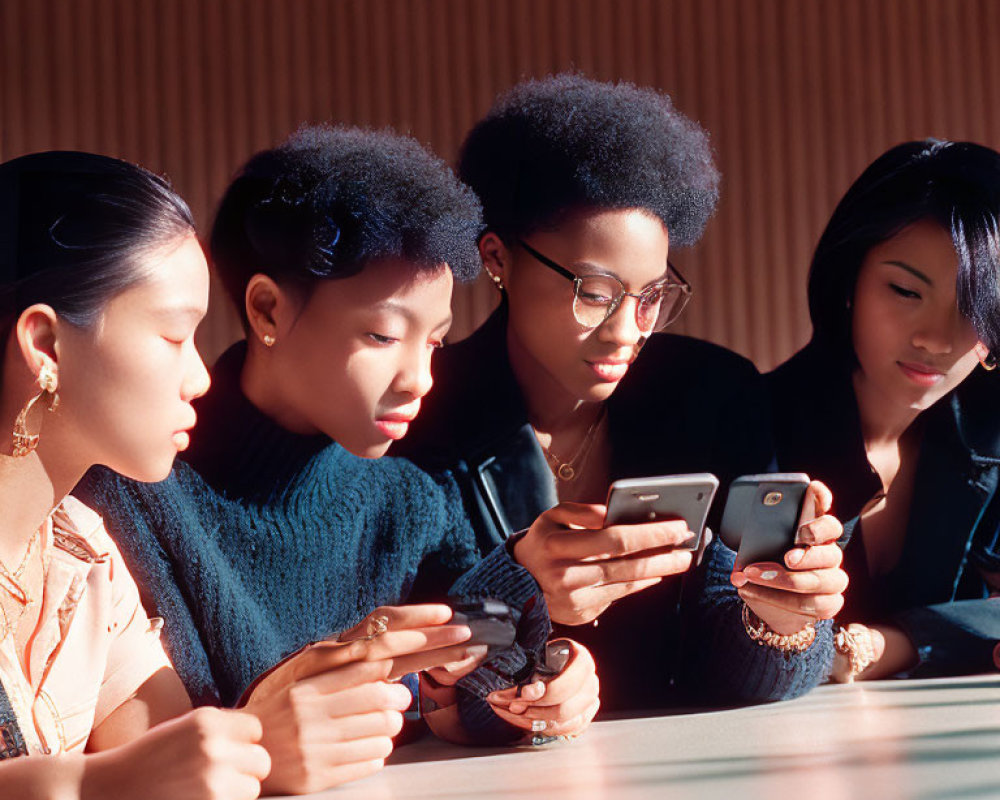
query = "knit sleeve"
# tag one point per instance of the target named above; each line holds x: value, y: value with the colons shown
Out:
x: 724, y: 664
x: 131, y: 513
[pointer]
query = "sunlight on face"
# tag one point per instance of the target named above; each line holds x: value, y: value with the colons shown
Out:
x: 126, y: 385
x: 913, y: 344
x: 358, y: 358
x: 586, y: 364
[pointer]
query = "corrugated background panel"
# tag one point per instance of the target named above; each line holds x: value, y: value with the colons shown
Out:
x: 799, y: 95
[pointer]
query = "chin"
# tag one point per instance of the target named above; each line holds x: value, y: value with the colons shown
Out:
x: 367, y: 450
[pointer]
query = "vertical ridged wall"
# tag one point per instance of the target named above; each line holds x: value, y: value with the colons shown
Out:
x: 799, y: 96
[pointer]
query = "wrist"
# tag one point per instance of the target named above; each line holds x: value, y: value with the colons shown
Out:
x: 788, y: 643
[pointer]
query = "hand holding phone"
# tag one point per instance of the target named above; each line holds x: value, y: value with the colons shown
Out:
x: 762, y: 516
x: 788, y: 564
x: 684, y: 497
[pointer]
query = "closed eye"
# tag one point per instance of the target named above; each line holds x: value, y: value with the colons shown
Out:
x: 903, y: 292
x: 378, y: 338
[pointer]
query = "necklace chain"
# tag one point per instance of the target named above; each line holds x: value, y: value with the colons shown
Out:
x: 567, y: 470
x: 12, y: 580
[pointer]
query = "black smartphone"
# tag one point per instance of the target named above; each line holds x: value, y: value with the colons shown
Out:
x: 687, y: 497
x: 761, y: 517
x: 491, y: 622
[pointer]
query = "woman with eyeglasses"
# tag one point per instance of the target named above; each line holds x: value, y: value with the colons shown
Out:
x: 895, y: 405
x: 587, y: 187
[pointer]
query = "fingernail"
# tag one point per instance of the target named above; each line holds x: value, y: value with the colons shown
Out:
x: 768, y: 575
x: 794, y: 557
x: 738, y: 579
x: 538, y: 725
x: 476, y: 651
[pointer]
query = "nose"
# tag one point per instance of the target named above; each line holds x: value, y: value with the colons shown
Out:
x: 621, y: 327
x: 414, y: 377
x: 196, y: 379
x: 939, y: 330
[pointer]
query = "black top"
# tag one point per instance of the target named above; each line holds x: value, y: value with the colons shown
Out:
x: 684, y: 406
x: 952, y: 535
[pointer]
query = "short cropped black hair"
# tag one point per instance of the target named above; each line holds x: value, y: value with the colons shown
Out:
x: 957, y: 185
x: 331, y: 199
x: 74, y: 228
x: 565, y: 143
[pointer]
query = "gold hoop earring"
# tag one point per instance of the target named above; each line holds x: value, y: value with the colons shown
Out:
x: 989, y: 363
x: 25, y: 441
x: 268, y: 340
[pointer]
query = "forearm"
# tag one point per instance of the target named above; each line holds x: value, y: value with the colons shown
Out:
x: 897, y: 654
x: 44, y: 777
x: 723, y: 664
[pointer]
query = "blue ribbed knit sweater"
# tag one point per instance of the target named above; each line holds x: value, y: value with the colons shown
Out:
x: 263, y: 540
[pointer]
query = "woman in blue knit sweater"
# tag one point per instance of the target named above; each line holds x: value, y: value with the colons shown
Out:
x: 279, y: 527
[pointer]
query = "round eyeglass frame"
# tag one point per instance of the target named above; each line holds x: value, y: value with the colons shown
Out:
x: 680, y: 283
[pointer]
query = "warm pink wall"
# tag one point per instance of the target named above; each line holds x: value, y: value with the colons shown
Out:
x: 798, y: 94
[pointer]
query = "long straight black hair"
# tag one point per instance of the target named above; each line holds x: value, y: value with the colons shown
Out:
x: 957, y: 185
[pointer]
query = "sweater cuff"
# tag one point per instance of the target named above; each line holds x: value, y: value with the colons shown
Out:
x: 497, y: 576
x: 500, y: 577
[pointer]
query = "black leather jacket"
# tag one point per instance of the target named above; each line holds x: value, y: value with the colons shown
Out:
x: 684, y: 406
x: 937, y: 591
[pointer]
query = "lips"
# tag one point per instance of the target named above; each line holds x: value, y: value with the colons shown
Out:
x: 610, y: 370
x: 920, y: 374
x: 396, y: 424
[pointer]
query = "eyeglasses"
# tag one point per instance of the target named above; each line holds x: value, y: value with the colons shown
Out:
x: 597, y: 297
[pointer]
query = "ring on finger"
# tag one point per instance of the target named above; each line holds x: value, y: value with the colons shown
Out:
x: 377, y: 626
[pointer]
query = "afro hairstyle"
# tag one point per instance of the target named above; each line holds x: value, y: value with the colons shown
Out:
x: 330, y: 199
x: 557, y: 145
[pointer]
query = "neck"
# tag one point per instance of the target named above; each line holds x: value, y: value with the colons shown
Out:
x: 30, y: 488
x: 550, y: 407
x: 260, y: 385
x: 883, y: 421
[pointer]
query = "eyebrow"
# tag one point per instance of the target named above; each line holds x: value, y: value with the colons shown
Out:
x: 405, y: 311
x: 916, y: 273
x: 180, y: 311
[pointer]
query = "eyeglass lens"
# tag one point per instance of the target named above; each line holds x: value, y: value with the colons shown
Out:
x: 598, y: 296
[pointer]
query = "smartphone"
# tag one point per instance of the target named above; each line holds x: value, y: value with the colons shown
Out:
x: 491, y: 622
x: 762, y: 514
x: 685, y: 497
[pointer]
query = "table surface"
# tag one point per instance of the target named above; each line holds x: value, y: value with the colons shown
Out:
x: 887, y: 739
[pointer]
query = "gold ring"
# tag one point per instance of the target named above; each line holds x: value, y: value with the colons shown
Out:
x: 377, y: 626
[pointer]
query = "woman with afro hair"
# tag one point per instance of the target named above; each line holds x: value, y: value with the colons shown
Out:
x: 281, y: 526
x: 587, y: 188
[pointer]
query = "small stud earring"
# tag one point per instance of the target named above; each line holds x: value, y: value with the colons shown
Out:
x: 269, y: 340
x: 497, y: 282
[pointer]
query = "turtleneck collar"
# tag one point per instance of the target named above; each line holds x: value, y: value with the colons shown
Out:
x: 237, y: 447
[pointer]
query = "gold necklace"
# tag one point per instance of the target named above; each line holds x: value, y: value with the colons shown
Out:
x: 12, y: 580
x: 567, y: 470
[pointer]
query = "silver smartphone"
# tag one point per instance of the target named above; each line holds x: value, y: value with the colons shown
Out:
x: 762, y: 515
x: 687, y: 497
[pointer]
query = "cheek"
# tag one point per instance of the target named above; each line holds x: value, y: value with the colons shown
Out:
x: 547, y: 328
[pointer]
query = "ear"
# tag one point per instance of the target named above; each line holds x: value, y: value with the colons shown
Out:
x: 270, y: 309
x: 982, y: 353
x: 37, y: 334
x: 496, y: 256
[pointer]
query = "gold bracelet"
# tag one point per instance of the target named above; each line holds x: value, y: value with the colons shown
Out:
x: 760, y: 632
x: 855, y: 642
